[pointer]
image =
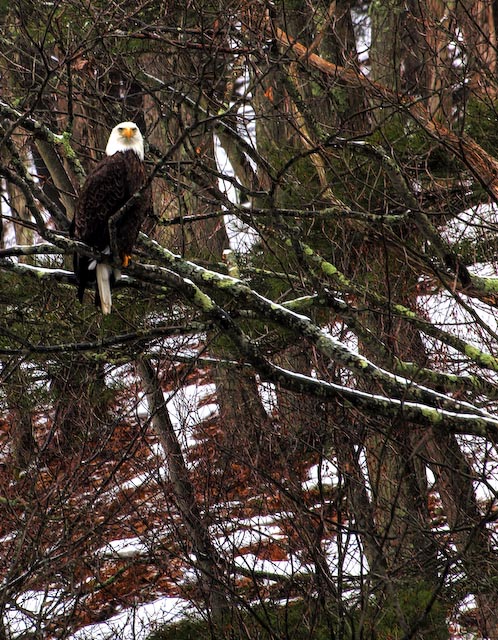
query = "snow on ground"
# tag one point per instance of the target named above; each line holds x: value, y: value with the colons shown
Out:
x: 185, y: 405
x: 472, y: 223
x: 187, y: 408
x: 138, y: 623
x: 23, y: 615
x: 254, y: 564
x: 124, y: 548
x: 320, y: 475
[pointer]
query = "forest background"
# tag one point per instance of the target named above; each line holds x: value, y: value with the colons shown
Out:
x: 287, y: 427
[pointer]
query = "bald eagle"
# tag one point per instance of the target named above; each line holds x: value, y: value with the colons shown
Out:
x: 115, y: 179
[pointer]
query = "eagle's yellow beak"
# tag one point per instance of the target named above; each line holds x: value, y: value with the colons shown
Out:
x: 128, y: 132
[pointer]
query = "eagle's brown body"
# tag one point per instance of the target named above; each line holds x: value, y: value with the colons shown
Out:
x: 110, y: 185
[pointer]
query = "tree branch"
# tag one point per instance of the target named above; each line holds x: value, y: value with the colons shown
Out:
x: 481, y: 164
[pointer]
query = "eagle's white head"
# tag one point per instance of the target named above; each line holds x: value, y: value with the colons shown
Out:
x: 125, y: 136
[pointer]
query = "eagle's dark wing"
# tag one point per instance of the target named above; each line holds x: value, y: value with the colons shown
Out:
x: 131, y: 222
x: 104, y: 192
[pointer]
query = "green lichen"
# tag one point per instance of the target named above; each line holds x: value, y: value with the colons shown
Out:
x: 432, y: 415
x: 484, y: 359
x: 329, y: 269
x: 404, y: 311
x: 65, y: 141
x: 202, y: 301
x: 362, y: 363
x: 489, y: 285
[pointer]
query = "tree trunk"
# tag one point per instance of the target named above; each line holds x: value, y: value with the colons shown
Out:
x: 213, y: 577
x: 469, y: 533
x: 19, y: 399
x: 477, y: 21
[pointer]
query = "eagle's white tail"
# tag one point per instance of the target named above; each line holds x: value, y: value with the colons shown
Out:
x: 103, y: 273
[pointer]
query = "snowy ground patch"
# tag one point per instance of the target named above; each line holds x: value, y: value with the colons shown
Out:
x: 138, y: 623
